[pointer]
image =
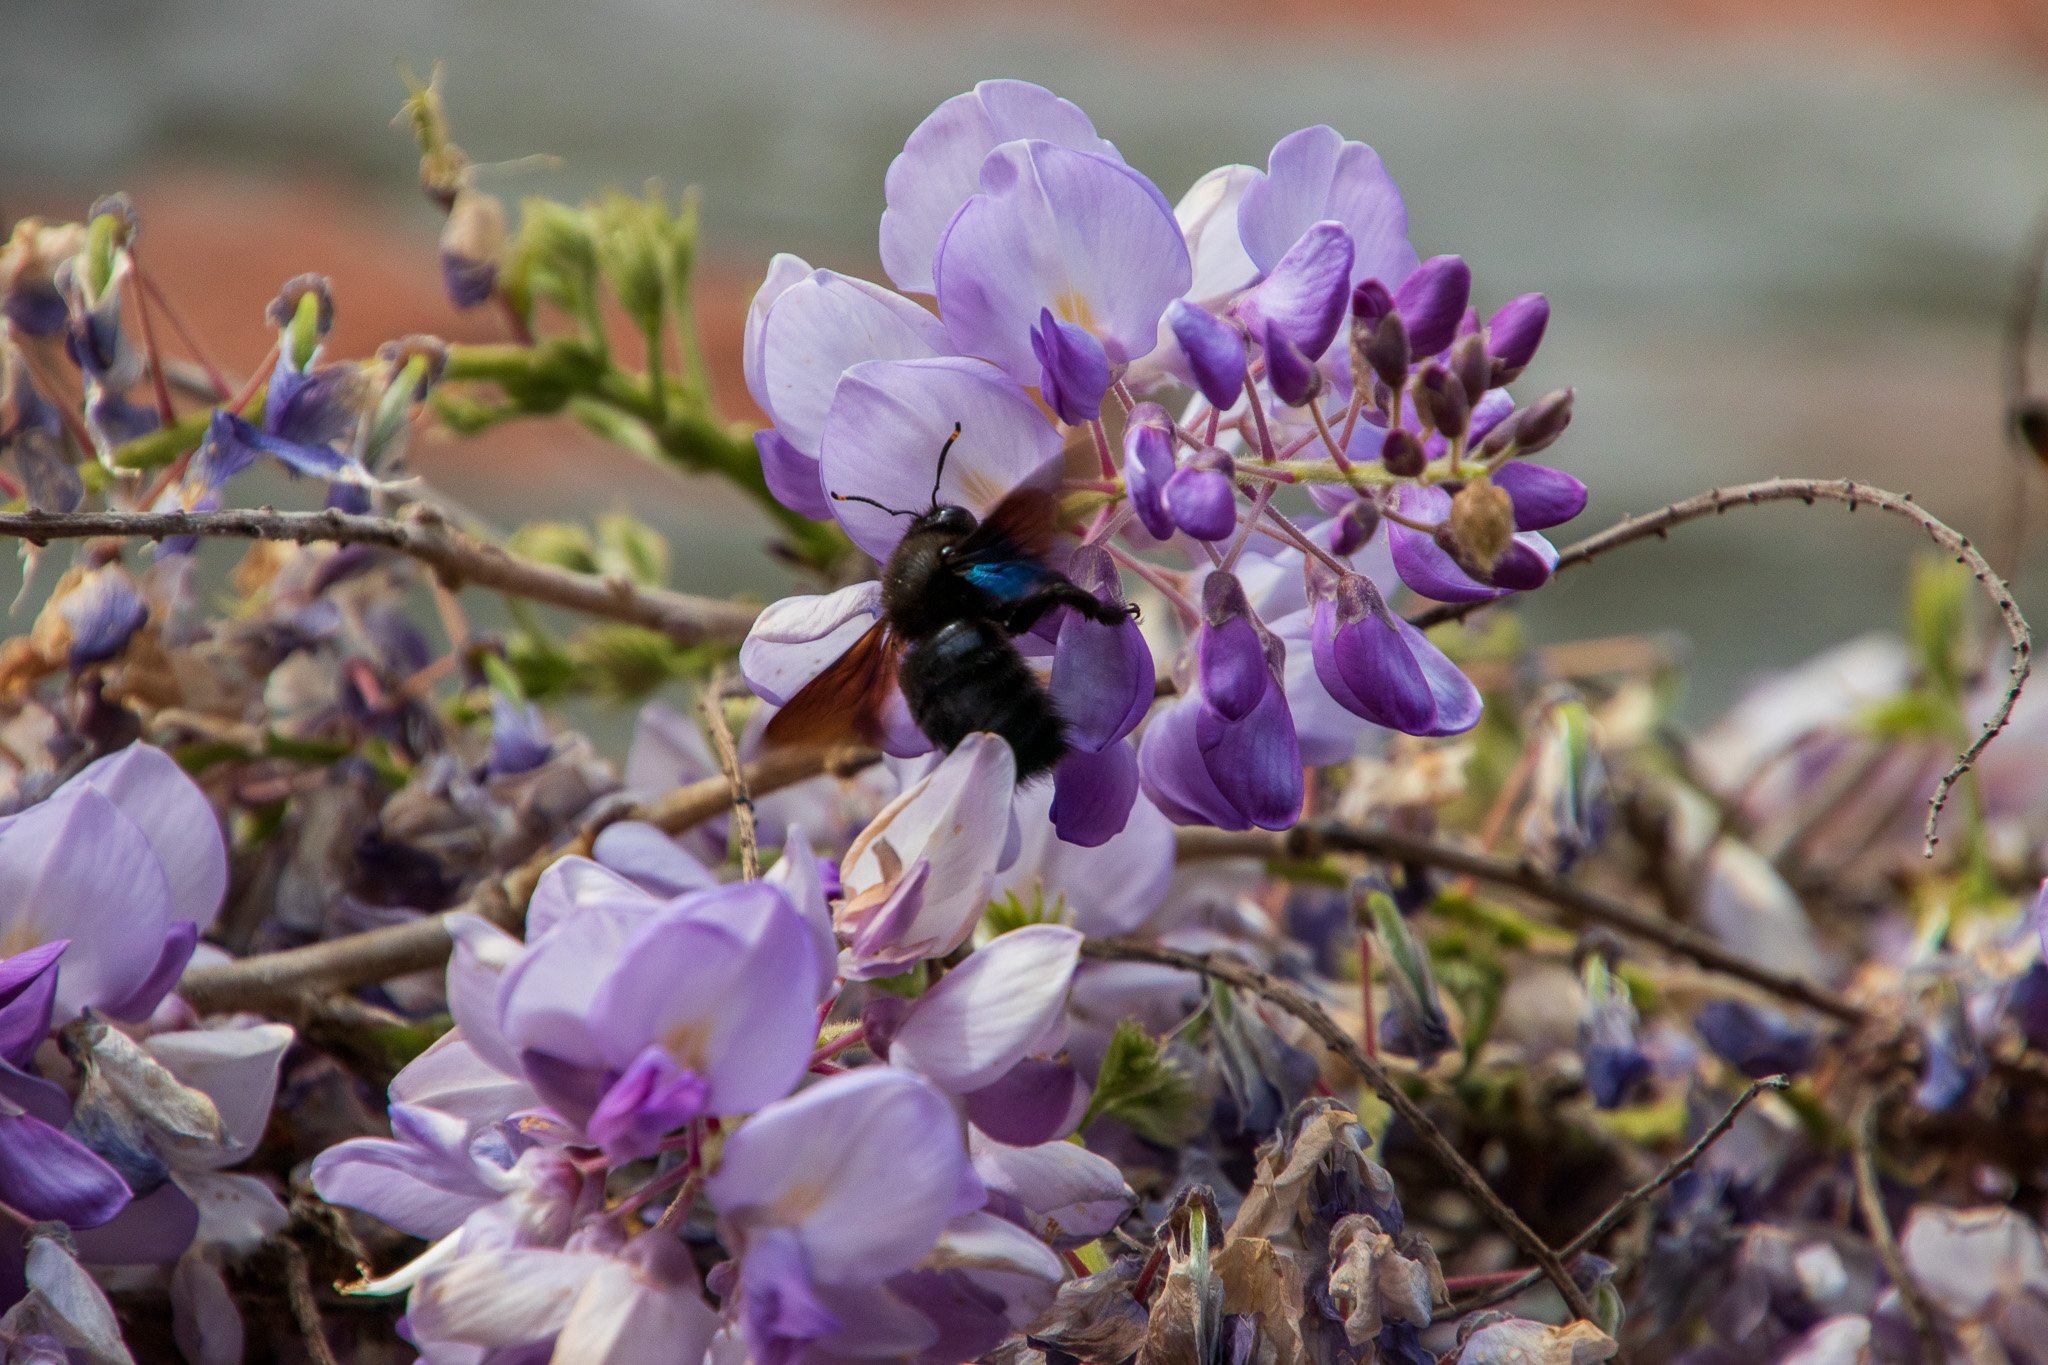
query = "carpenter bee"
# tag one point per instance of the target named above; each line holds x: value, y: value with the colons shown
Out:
x: 955, y: 591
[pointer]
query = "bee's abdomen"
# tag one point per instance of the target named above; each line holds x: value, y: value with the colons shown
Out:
x: 969, y: 677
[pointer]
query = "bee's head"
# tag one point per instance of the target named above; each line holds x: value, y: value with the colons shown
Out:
x: 948, y: 520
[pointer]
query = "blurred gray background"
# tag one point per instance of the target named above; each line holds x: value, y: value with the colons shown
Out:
x: 1778, y: 238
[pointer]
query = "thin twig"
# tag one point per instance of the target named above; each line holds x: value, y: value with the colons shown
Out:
x: 1634, y: 1199
x: 305, y: 1308
x: 1809, y: 491
x: 425, y: 535
x: 287, y: 983
x: 713, y: 710
x: 1286, y: 996
x: 1870, y: 1203
x: 1306, y: 842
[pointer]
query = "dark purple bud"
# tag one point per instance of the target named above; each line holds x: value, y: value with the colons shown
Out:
x: 1403, y: 455
x: 881, y: 1019
x: 1389, y: 353
x: 1092, y: 794
x: 1513, y: 333
x: 1354, y: 527
x: 1469, y: 364
x: 1370, y: 302
x: 1148, y: 465
x: 519, y: 737
x: 1102, y: 675
x: 472, y: 245
x: 2028, y: 1004
x: 104, y: 612
x: 1543, y: 496
x: 1756, y: 1041
x: 1440, y: 401
x: 1432, y: 300
x: 1543, y: 421
x: 1230, y: 657
x: 1073, y: 369
x: 1377, y: 666
x: 1214, y: 348
x: 1294, y: 376
x: 1201, y: 498
x: 35, y: 307
x: 468, y: 282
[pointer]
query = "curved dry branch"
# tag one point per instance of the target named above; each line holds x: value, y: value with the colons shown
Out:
x: 425, y: 535
x: 1236, y: 972
x: 1809, y: 491
x: 1312, y: 840
x: 286, y: 983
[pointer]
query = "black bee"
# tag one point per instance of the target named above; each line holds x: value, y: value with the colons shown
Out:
x: 954, y: 593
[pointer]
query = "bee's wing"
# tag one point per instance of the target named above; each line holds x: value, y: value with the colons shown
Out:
x: 1005, y: 554
x: 845, y: 701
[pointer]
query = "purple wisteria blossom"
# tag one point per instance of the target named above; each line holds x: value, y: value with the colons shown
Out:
x: 1275, y: 330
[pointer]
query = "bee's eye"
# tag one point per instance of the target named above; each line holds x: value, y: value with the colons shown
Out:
x: 945, y: 554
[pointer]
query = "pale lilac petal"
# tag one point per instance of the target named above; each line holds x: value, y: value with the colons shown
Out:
x: 1072, y: 1194
x: 75, y: 867
x: 956, y: 820
x: 1207, y: 215
x: 1112, y: 888
x: 779, y: 1306
x: 985, y: 1015
x: 939, y: 168
x: 1094, y: 794
x: 829, y: 1165
x: 668, y: 750
x: 1543, y: 496
x: 799, y: 875
x: 476, y: 969
x: 237, y: 1213
x: 48, y: 1175
x: 573, y: 886
x: 650, y: 859
x: 793, y: 477
x: 784, y: 270
x: 456, y: 1078
x: 1003, y: 1261
x: 891, y: 418
x: 640, y: 1309
x: 1213, y: 350
x: 544, y: 1004
x: 141, y: 1002
x: 797, y: 638
x: 1087, y: 237
x: 823, y: 326
x: 65, y: 1291
x: 236, y: 1068
x: 168, y: 807
x: 501, y: 1297
x: 1307, y: 295
x: 403, y: 1185
x: 1314, y: 175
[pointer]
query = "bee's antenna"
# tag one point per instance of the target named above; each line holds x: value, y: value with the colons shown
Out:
x: 944, y: 451
x: 855, y: 497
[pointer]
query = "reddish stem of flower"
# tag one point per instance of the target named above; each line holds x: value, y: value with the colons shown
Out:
x: 1102, y: 454
x: 1075, y: 1264
x: 151, y: 353
x: 1142, y: 1286
x: 1370, y: 1034
x: 191, y: 342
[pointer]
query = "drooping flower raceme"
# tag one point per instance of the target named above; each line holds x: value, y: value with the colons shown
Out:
x: 1275, y: 328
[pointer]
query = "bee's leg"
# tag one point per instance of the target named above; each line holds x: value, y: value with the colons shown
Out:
x: 1026, y: 612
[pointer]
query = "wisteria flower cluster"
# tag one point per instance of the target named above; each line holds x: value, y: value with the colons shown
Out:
x: 355, y: 1006
x: 1285, y: 315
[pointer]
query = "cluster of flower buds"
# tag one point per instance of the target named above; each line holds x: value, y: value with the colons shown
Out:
x: 1272, y: 334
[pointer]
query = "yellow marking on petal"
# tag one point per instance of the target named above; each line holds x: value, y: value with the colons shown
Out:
x: 1074, y: 308
x: 19, y: 937
x: 689, y: 1044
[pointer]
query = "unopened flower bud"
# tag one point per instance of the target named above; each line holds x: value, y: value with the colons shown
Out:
x: 1469, y: 362
x: 1148, y: 466
x: 1502, y: 436
x: 1354, y: 526
x: 1441, y: 402
x: 1543, y: 421
x: 1482, y: 522
x: 1201, y: 497
x: 303, y: 313
x: 1370, y: 302
x: 1295, y: 379
x: 1432, y: 300
x: 1512, y: 334
x: 1387, y: 352
x: 1403, y: 455
x: 629, y: 250
x: 472, y: 247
